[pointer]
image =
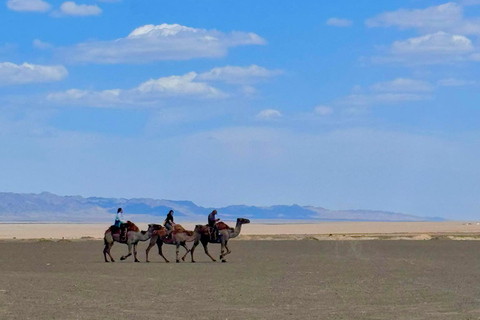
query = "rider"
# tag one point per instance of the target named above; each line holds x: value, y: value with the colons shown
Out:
x: 122, y: 225
x: 212, y: 223
x: 168, y: 223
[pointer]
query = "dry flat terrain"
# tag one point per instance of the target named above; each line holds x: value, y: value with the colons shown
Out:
x: 283, y: 230
x: 436, y: 279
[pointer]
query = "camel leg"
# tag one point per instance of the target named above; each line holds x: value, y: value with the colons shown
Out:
x: 195, y: 244
x: 205, y: 247
x: 150, y: 245
x: 135, y: 253
x: 223, y: 251
x: 106, y: 251
x: 177, y: 249
x: 108, y: 245
x: 160, y: 244
x: 228, y: 249
x: 186, y: 253
x: 129, y: 252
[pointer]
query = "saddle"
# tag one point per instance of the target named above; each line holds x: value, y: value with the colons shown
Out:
x: 130, y: 227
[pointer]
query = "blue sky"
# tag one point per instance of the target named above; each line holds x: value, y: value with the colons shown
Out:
x: 372, y: 104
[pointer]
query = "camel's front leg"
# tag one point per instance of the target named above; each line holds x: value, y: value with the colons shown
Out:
x: 150, y: 245
x: 129, y: 252
x: 195, y: 244
x: 160, y: 244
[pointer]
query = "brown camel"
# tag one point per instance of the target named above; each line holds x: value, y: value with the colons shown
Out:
x: 225, y: 233
x: 134, y: 235
x: 178, y: 237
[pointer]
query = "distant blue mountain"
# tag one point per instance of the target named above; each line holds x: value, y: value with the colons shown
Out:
x: 48, y: 207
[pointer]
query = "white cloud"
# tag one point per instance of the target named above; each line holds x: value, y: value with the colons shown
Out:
x: 447, y: 17
x: 28, y: 5
x: 337, y: 22
x: 452, y: 82
x: 440, y: 47
x: 234, y: 74
x: 380, y: 98
x: 436, y: 43
x: 323, y: 110
x: 11, y: 73
x: 160, y: 42
x: 150, y: 92
x: 403, y: 85
x: 70, y: 8
x: 436, y: 17
x: 269, y: 114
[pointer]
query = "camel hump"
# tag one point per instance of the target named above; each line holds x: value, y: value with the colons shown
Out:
x: 132, y: 227
x: 179, y: 229
x: 222, y: 225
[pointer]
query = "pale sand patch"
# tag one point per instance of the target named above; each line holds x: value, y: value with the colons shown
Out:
x: 314, y: 231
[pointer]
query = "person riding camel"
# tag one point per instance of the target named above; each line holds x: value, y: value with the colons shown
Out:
x: 168, y: 223
x: 122, y: 225
x: 212, y: 223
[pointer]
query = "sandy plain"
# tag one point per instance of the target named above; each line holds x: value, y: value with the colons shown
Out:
x: 258, y: 231
x: 64, y: 279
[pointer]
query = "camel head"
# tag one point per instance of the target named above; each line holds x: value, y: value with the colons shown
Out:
x: 243, y: 221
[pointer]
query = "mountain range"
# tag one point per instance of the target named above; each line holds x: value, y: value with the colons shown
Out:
x: 48, y: 207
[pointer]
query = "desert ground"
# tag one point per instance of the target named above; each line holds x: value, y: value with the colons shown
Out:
x: 271, y: 231
x: 372, y: 279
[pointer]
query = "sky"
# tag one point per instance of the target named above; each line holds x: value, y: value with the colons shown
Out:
x: 343, y: 105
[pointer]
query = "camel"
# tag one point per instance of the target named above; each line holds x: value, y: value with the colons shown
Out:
x: 225, y: 233
x: 178, y: 237
x: 134, y: 235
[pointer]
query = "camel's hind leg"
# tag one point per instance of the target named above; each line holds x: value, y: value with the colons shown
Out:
x: 186, y: 253
x: 135, y: 253
x: 228, y: 249
x: 205, y: 247
x: 223, y: 251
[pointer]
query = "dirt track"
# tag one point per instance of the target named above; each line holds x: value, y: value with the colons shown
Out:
x: 263, y: 280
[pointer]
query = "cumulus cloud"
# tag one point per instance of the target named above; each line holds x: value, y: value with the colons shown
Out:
x: 11, y: 73
x: 337, y: 22
x: 235, y: 74
x: 447, y: 17
x: 269, y: 114
x: 439, y: 47
x: 160, y: 42
x: 403, y: 85
x: 150, y: 92
x: 70, y: 8
x: 28, y: 5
